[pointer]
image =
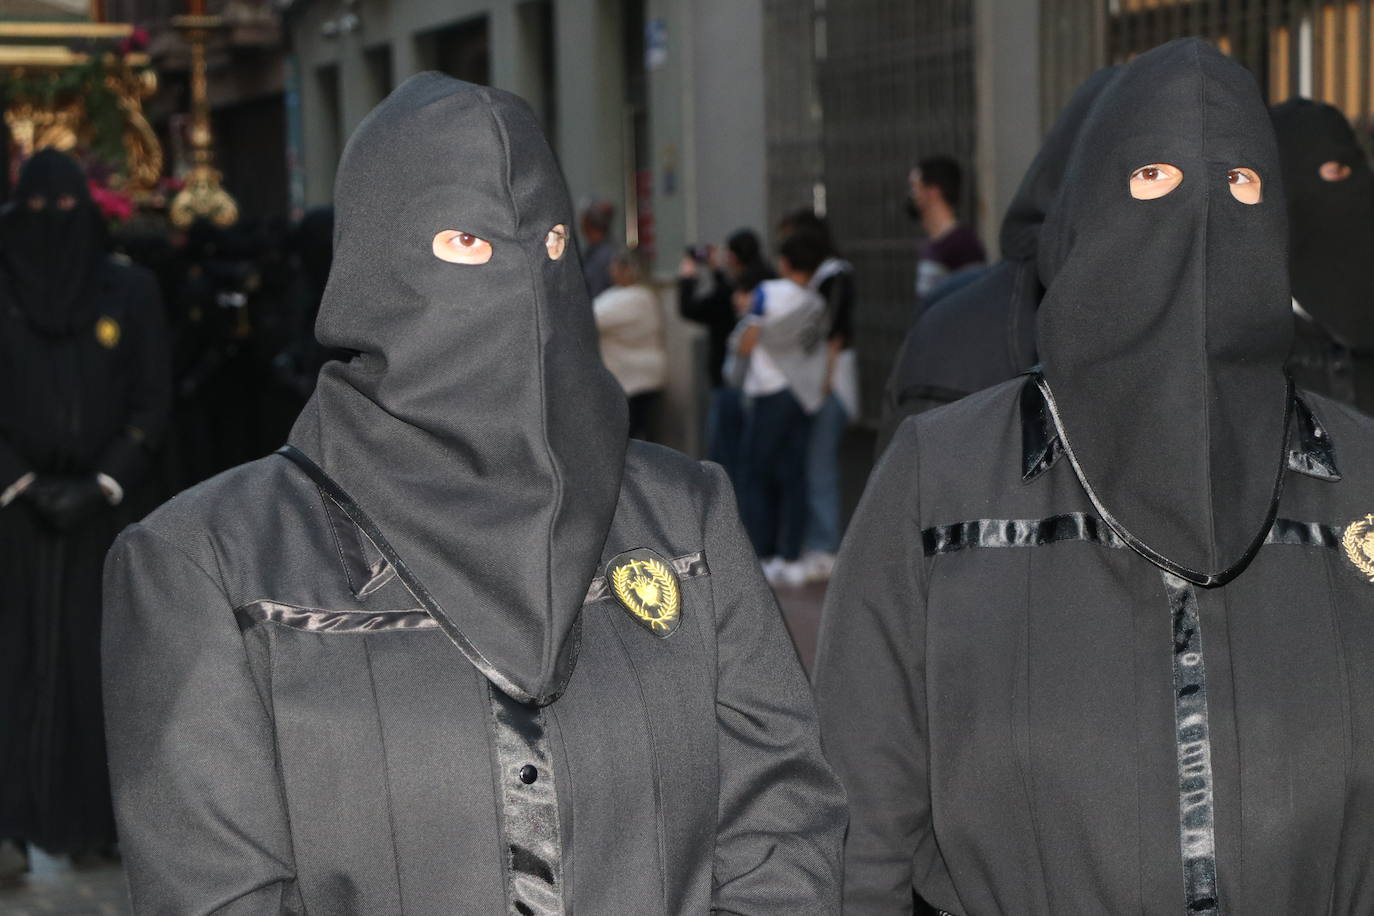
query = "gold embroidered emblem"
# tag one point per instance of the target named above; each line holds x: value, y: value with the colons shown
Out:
x: 107, y: 332
x: 1359, y: 545
x: 646, y: 585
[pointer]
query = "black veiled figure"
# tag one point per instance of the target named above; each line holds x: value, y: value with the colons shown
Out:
x: 1330, y: 188
x: 1120, y: 613
x: 465, y: 648
x: 83, y: 368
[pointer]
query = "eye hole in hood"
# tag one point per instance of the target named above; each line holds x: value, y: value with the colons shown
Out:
x: 458, y: 247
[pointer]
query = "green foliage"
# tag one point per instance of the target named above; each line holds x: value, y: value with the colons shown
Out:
x: 86, y: 82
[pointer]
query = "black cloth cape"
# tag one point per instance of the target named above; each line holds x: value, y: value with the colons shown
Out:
x: 93, y: 401
x: 998, y: 687
x: 290, y: 732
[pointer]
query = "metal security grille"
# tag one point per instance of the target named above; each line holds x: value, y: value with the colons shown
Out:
x: 793, y: 108
x: 858, y: 90
x: 896, y: 84
x: 1309, y: 48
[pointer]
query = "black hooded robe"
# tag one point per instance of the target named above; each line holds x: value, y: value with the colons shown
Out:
x: 396, y: 677
x: 1332, y: 230
x: 1087, y: 709
x: 83, y: 368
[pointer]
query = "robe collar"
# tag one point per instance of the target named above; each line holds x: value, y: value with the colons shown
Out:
x: 1310, y: 449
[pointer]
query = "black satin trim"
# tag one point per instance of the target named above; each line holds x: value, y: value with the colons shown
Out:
x: 1207, y: 580
x: 1315, y: 455
x: 364, y: 578
x: 321, y: 620
x: 1196, y: 822
x: 1030, y: 532
x: 1041, y: 444
x: 687, y: 567
x: 1079, y: 526
x: 533, y: 852
x: 566, y: 661
x: 1304, y: 534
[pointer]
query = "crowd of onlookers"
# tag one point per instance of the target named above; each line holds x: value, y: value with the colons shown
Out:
x: 782, y: 370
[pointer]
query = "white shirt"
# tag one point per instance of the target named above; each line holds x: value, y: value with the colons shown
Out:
x: 629, y: 320
x: 781, y: 359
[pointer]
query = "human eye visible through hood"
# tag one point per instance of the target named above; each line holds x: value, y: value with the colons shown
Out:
x: 556, y: 242
x: 1245, y: 185
x: 1155, y: 180
x: 1334, y: 171
x: 458, y: 247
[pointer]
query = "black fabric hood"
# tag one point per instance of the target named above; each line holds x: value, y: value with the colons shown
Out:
x: 1020, y: 237
x: 476, y: 425
x: 1331, y: 223
x: 51, y: 254
x: 1166, y: 322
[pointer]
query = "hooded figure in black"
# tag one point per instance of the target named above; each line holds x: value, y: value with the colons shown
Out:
x: 1330, y: 189
x: 1121, y: 612
x: 83, y: 368
x: 469, y: 650
x: 985, y: 332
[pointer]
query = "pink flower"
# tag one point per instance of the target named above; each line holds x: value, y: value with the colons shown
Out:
x: 112, y: 204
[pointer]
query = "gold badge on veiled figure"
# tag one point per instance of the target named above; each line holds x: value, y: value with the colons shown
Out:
x: 1359, y: 545
x: 646, y: 585
x: 107, y: 332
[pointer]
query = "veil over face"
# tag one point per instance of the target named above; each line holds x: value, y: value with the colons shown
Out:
x: 1166, y: 321
x: 1332, y: 221
x: 475, y: 423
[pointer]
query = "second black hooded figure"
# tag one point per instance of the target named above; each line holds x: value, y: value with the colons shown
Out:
x: 1330, y: 189
x: 464, y: 649
x: 1120, y: 613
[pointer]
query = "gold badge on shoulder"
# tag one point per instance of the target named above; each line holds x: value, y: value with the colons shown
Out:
x: 646, y: 585
x: 107, y: 332
x: 1359, y: 545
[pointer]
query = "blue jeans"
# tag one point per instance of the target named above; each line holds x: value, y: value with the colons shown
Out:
x: 773, y: 476
x: 823, y: 476
x: 724, y: 432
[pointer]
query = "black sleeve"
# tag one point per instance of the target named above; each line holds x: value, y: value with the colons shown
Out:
x: 782, y: 812
x: 127, y: 457
x: 703, y: 308
x: 202, y: 821
x: 870, y: 688
x: 839, y: 296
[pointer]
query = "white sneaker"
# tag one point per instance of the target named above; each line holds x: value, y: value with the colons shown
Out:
x: 793, y: 574
x: 772, y: 570
x: 819, y: 565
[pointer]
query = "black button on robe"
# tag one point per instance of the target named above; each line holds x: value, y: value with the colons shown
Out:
x: 996, y: 684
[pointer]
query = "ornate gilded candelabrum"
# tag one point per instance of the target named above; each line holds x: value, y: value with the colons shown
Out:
x: 202, y: 196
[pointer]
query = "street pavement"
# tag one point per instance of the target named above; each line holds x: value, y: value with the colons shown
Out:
x: 54, y: 888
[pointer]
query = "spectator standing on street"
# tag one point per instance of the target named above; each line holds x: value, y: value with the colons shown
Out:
x: 782, y: 338
x: 949, y: 246
x: 834, y: 281
x: 705, y: 291
x: 595, y: 223
x: 629, y: 323
x: 84, y: 371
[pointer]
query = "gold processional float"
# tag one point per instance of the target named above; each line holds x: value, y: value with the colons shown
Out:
x: 71, y: 81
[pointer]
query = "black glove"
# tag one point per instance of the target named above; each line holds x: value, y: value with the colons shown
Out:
x: 65, y: 502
